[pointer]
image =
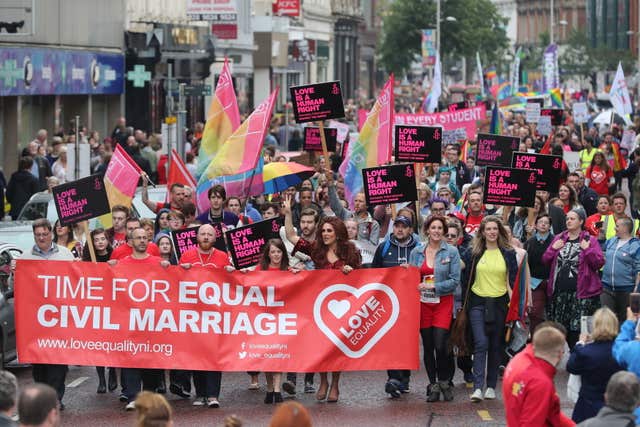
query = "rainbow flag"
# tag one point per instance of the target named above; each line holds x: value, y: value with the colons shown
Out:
x: 491, y: 73
x: 222, y: 121
x: 518, y: 302
x: 556, y: 98
x: 619, y: 161
x: 495, y: 127
x: 373, y: 146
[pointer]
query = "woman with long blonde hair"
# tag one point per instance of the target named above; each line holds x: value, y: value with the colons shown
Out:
x: 489, y: 275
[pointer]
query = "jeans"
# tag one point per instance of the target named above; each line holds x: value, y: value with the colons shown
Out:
x: 402, y: 375
x: 207, y: 383
x: 488, y: 343
x: 132, y: 378
x: 617, y: 301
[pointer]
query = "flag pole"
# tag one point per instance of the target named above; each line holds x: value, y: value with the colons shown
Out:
x: 325, y: 153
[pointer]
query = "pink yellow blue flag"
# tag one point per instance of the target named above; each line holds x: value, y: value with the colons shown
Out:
x: 223, y: 119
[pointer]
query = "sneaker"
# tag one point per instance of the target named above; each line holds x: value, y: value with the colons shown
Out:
x: 309, y: 388
x: 477, y: 396
x: 131, y: 406
x: 392, y: 388
x: 212, y: 402
x: 200, y: 401
x: 289, y: 387
x: 178, y: 391
x: 254, y: 386
x: 404, y: 388
x: 490, y: 393
x: 122, y: 398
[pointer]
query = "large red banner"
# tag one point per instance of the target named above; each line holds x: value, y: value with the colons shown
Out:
x: 145, y: 316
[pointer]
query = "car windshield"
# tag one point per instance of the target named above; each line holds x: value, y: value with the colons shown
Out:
x: 33, y: 211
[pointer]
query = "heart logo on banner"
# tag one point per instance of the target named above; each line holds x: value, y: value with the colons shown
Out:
x: 339, y: 308
x: 329, y: 315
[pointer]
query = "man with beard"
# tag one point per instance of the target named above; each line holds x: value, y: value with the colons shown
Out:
x: 207, y: 383
x: 305, y: 202
x: 309, y: 219
x: 392, y: 252
x: 133, y: 378
x: 368, y: 228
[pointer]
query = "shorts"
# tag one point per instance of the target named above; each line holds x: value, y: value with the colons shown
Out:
x: 437, y: 315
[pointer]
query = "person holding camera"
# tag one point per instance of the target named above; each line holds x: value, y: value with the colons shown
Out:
x: 591, y: 358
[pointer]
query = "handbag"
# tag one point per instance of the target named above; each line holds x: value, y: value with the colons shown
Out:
x: 517, y: 337
x: 459, y: 338
x: 573, y: 387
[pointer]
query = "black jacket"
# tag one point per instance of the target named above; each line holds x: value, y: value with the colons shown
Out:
x: 22, y: 186
x: 535, y: 250
x: 392, y: 252
x: 588, y: 198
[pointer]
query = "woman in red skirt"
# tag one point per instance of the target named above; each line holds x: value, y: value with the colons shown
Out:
x: 439, y: 265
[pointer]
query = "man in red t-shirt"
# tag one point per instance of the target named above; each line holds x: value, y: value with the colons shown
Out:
x: 176, y: 197
x: 205, y: 255
x: 133, y: 379
x: 475, y: 214
x: 117, y: 234
x: 127, y: 249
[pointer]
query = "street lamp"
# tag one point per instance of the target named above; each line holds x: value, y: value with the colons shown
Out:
x: 438, y: 19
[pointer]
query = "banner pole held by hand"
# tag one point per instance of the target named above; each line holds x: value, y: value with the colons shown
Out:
x: 92, y: 251
x: 325, y: 153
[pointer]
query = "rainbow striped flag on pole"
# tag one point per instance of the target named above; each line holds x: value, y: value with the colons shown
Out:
x: 373, y: 146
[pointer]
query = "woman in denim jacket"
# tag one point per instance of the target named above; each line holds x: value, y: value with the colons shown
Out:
x: 439, y: 265
x: 490, y: 272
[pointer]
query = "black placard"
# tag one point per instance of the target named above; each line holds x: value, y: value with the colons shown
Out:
x: 184, y: 239
x: 556, y: 115
x: 312, y: 140
x: 80, y: 200
x: 389, y: 184
x: 247, y: 242
x: 548, y: 168
x: 320, y: 101
x: 458, y: 106
x: 496, y: 150
x: 418, y: 144
x: 509, y: 186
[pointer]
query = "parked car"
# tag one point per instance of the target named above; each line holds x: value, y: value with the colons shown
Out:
x: 41, y: 205
x: 8, y: 252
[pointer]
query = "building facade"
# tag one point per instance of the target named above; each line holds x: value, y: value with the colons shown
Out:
x: 58, y: 59
x: 534, y: 19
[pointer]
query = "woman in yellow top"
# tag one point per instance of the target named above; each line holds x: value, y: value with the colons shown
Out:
x: 490, y: 272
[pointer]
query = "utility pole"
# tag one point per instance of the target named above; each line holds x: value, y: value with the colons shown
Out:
x: 181, y: 122
x: 438, y: 27
x: 551, y: 23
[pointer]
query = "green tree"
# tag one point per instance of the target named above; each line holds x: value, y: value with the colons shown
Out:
x: 478, y: 28
x: 579, y: 58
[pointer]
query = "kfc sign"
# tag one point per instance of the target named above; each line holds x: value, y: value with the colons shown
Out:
x: 286, y: 7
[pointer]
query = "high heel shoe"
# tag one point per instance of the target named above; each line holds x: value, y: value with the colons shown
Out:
x: 113, y: 379
x: 322, y: 391
x: 333, y: 397
x: 277, y: 397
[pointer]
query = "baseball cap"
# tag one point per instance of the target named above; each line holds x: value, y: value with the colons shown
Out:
x: 404, y: 220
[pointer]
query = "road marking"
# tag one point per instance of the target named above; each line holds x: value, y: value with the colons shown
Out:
x: 484, y: 415
x: 77, y: 382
